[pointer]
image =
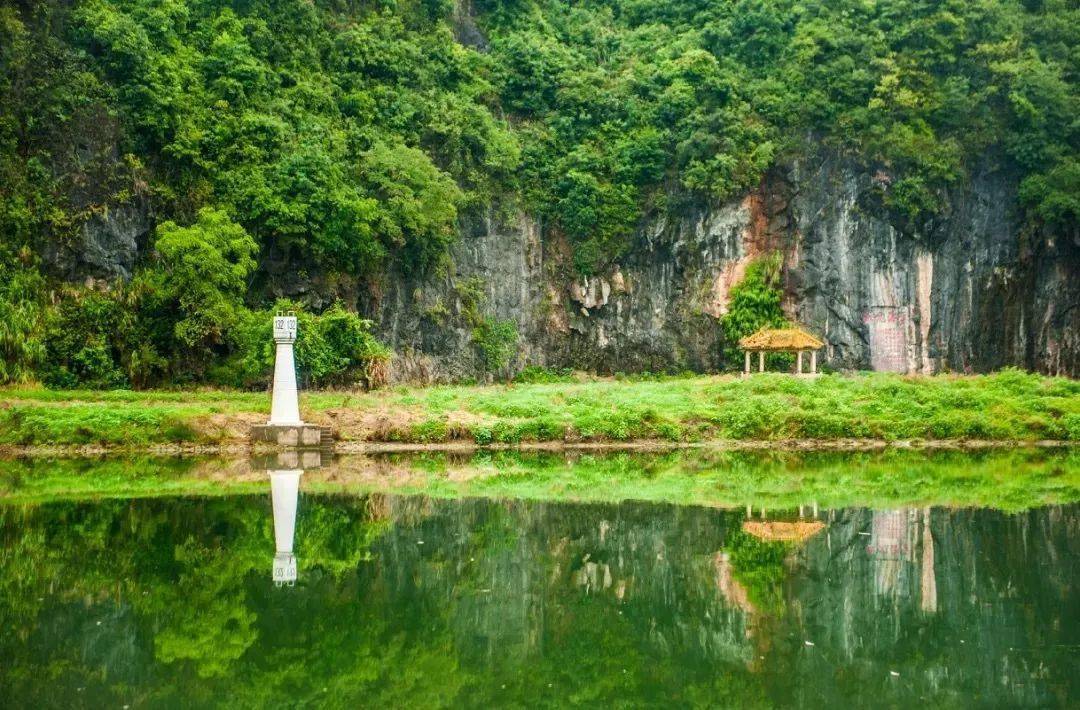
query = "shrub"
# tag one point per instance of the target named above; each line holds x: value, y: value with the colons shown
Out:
x: 496, y: 341
x: 540, y: 375
x: 1071, y: 424
x: 754, y: 303
x: 22, y: 323
x: 85, y: 338
x: 429, y: 431
x: 333, y: 348
x: 204, y: 269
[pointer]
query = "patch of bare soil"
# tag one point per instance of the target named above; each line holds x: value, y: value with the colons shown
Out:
x: 230, y: 427
x: 368, y: 424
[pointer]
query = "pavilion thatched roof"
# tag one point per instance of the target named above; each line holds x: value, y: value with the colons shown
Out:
x: 781, y: 339
x: 783, y: 532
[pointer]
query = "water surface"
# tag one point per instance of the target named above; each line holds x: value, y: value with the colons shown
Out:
x: 398, y: 600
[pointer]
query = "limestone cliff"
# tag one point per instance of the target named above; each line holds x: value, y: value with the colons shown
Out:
x: 971, y: 290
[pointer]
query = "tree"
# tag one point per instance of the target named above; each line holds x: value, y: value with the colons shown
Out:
x: 754, y: 303
x: 417, y: 202
x: 204, y: 269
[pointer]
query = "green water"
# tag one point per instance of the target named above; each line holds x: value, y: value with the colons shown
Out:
x: 408, y: 600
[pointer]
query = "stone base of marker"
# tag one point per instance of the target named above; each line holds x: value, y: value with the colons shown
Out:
x: 285, y: 459
x: 301, y: 436
x: 284, y: 569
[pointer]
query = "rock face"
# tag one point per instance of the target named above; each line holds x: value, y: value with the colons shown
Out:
x: 115, y: 232
x: 653, y: 312
x: 970, y: 291
x: 967, y: 293
x: 110, y: 241
x: 107, y: 245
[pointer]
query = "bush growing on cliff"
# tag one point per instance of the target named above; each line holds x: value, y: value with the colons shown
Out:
x: 754, y: 303
x: 22, y: 322
x: 497, y: 342
x: 204, y: 270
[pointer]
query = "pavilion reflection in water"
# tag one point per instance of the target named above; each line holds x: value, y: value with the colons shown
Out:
x: 901, y: 547
x: 786, y: 531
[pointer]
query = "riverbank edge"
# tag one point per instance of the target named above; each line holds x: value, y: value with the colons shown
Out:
x: 1009, y: 408
x: 238, y: 449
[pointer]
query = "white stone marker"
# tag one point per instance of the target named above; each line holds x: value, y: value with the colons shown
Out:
x: 284, y: 492
x: 285, y: 408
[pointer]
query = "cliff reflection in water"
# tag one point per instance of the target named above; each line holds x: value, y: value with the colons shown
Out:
x: 411, y: 601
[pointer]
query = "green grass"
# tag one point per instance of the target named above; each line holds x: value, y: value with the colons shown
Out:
x: 104, y: 424
x: 1010, y: 479
x: 1005, y: 479
x: 42, y: 479
x: 1009, y: 405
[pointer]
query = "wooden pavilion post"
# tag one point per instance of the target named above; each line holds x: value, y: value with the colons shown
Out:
x: 813, y: 362
x: 746, y: 370
x: 798, y: 363
x: 761, y: 361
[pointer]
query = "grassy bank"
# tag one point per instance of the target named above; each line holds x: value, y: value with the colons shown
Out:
x: 1009, y: 405
x: 1010, y: 479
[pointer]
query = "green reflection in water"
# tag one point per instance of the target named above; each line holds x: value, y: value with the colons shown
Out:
x: 413, y: 601
x: 1007, y: 479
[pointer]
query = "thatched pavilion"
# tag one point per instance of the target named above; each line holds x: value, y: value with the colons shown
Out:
x: 797, y: 531
x: 779, y: 531
x: 782, y: 340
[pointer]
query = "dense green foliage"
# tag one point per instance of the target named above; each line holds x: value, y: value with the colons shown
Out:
x: 333, y: 137
x: 341, y: 136
x: 1007, y: 406
x: 754, y: 303
x: 624, y: 99
x: 333, y: 348
x: 204, y: 270
x: 22, y: 350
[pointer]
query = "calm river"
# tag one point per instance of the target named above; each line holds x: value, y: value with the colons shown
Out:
x: 315, y: 589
